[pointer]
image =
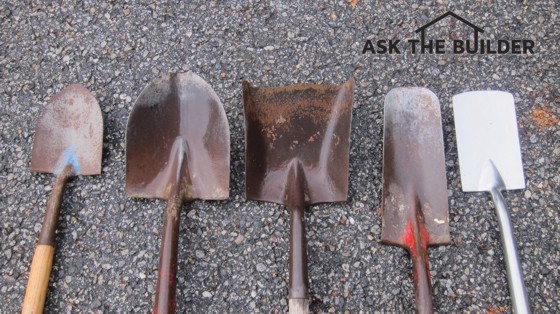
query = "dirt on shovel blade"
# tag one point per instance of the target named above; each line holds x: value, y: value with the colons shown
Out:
x: 305, y: 124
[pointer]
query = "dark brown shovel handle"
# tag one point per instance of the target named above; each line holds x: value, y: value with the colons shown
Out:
x: 299, y: 280
x: 37, y: 284
x: 166, y: 300
x: 422, y: 283
x: 417, y: 237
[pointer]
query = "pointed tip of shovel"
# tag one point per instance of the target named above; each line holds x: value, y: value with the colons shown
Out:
x: 69, y: 131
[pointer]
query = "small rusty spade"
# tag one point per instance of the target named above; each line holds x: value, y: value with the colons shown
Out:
x: 68, y: 142
x: 415, y: 208
x: 297, y: 142
x: 177, y: 149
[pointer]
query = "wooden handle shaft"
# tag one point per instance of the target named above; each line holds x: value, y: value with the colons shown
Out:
x: 36, y: 291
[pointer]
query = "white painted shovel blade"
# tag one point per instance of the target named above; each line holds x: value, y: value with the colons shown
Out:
x: 486, y: 130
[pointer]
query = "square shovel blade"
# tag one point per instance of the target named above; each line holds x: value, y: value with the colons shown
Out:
x: 486, y: 130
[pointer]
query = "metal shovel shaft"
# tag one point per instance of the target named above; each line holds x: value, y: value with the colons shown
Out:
x: 166, y: 296
x: 298, y: 288
x: 519, y: 299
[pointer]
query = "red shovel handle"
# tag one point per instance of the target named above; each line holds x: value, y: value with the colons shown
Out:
x: 166, y: 300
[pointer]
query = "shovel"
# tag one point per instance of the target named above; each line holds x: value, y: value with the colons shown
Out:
x: 68, y: 142
x: 177, y: 149
x: 415, y: 209
x: 490, y: 160
x: 297, y: 140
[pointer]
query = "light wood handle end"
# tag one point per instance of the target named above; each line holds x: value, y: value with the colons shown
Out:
x: 38, y: 282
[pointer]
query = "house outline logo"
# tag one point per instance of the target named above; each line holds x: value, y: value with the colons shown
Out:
x: 455, y: 46
x: 422, y: 29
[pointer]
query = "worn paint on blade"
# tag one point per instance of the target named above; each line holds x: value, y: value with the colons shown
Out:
x: 410, y: 238
x: 69, y: 158
x: 417, y: 241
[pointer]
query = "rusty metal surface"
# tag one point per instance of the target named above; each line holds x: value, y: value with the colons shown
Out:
x: 414, y: 167
x: 178, y: 134
x: 297, y: 150
x: 305, y: 124
x: 69, y: 131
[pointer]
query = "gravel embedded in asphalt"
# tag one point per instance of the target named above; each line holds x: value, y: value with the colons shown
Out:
x: 233, y: 254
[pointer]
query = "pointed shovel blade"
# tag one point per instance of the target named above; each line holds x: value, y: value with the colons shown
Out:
x: 414, y: 181
x: 69, y: 132
x: 178, y: 136
x: 487, y: 141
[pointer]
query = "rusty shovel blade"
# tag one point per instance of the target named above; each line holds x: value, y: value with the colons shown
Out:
x: 415, y: 207
x: 69, y: 132
x: 297, y: 142
x: 177, y: 141
x: 307, y: 125
x: 177, y: 149
x: 68, y: 142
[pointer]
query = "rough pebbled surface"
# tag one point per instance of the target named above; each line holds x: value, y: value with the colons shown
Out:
x: 232, y: 254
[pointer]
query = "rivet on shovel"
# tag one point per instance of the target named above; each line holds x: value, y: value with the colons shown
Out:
x: 490, y: 161
x: 415, y: 208
x: 297, y: 140
x: 68, y: 142
x: 177, y: 149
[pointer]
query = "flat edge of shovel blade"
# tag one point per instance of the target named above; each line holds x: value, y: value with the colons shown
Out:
x: 486, y: 130
x: 414, y: 176
x: 304, y: 127
x: 69, y: 131
x: 178, y: 134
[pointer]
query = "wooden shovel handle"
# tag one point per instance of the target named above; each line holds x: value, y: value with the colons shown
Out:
x: 38, y: 282
x: 36, y: 292
x: 299, y: 281
x: 166, y: 300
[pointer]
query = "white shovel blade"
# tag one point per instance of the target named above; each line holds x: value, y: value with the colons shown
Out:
x: 486, y: 130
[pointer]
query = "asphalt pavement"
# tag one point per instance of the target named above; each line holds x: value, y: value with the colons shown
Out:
x: 233, y: 254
